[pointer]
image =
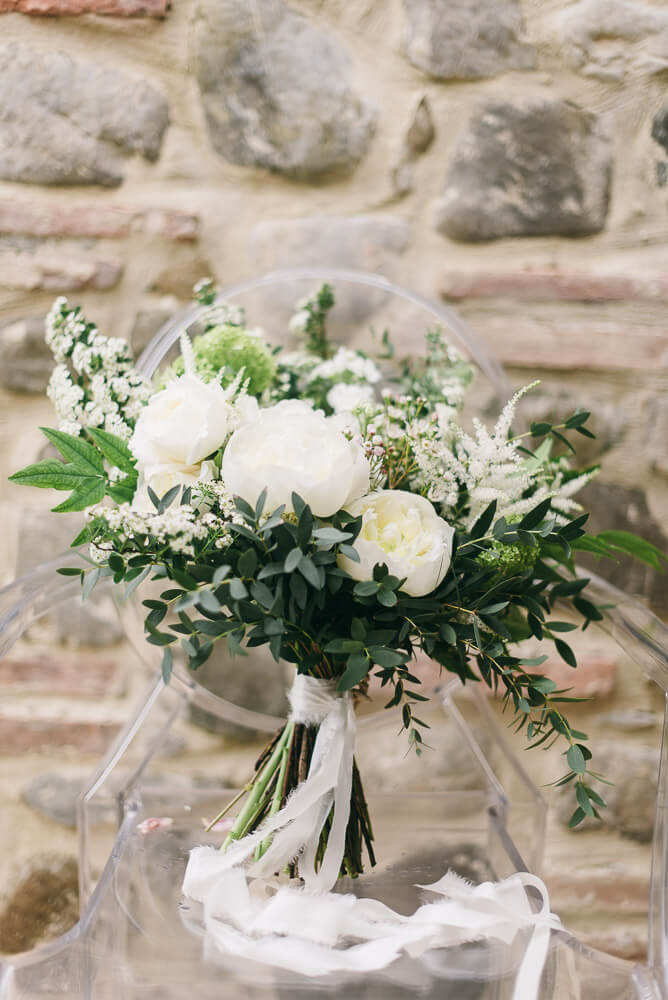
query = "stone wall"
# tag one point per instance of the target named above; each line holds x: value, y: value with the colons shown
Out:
x: 508, y: 157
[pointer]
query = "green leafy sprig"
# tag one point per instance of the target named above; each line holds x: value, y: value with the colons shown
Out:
x: 83, y: 470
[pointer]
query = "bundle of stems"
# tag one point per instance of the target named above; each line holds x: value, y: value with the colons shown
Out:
x: 280, y: 768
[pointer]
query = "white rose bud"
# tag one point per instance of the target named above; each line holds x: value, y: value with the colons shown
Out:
x: 180, y: 427
x: 290, y: 448
x: 403, y: 531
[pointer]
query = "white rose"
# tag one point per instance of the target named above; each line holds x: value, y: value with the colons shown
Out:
x: 183, y: 424
x: 180, y: 426
x: 345, y: 396
x: 403, y: 531
x: 292, y: 448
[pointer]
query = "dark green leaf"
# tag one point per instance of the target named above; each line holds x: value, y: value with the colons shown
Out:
x: 297, y: 504
x: 543, y: 684
x: 305, y: 527
x: 587, y: 609
x: 238, y: 589
x: 247, y: 563
x: 208, y: 601
x: 69, y: 571
x: 565, y: 652
x: 357, y: 667
x: 88, y: 492
x: 564, y: 440
x: 448, y: 633
x: 83, y: 456
x: 484, y: 522
x: 292, y: 560
x: 331, y: 535
x: 50, y: 474
x: 578, y: 419
x: 625, y: 541
x: 540, y: 428
x: 299, y: 590
x: 576, y: 760
x: 569, y: 587
x: 309, y: 572
x: 259, y: 506
x: 357, y: 629
x: 576, y: 818
x: 167, y: 663
x: 387, y: 657
x: 262, y: 594
x: 366, y: 588
x: 114, y: 449
x: 244, y: 508
x: 532, y: 661
x: 595, y: 797
x: 387, y: 598
x: 219, y: 575
x: 537, y: 515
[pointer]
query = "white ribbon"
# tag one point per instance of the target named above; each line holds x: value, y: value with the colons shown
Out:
x: 308, y: 929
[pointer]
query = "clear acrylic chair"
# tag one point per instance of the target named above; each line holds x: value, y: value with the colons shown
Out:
x: 483, y: 818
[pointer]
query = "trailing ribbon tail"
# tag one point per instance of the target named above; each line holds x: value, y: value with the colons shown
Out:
x: 307, y: 929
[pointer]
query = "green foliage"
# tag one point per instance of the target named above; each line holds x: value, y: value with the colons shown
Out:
x: 279, y: 584
x: 315, y: 330
x: 83, y: 471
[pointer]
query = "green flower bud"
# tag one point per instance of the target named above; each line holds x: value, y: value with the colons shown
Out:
x: 229, y: 348
x: 508, y: 560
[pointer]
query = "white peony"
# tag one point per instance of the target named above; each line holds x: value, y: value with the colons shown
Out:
x: 181, y: 426
x: 345, y: 396
x: 403, y: 531
x: 290, y: 448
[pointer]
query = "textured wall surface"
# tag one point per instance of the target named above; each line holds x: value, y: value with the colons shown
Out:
x: 508, y: 156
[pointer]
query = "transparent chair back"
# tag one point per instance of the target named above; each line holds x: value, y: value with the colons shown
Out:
x: 482, y: 817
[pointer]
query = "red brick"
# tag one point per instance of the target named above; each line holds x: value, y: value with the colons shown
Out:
x: 29, y: 218
x: 118, y: 8
x: 20, y: 735
x: 71, y: 674
x: 550, y: 285
x: 594, y: 676
x: 572, y: 344
x: 629, y: 944
x: 598, y: 891
x: 57, y: 272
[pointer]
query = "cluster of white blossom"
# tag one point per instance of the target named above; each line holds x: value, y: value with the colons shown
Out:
x: 425, y: 449
x: 225, y: 314
x: 490, y: 465
x: 345, y: 366
x: 345, y: 381
x: 213, y: 497
x: 176, y: 528
x: 95, y: 383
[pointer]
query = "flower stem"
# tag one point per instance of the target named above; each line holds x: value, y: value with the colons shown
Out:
x: 277, y: 799
x: 250, y: 810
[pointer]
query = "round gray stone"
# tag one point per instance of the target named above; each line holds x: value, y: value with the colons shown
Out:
x: 277, y: 92
x: 534, y: 168
x: 65, y: 121
x: 465, y: 39
x: 26, y: 362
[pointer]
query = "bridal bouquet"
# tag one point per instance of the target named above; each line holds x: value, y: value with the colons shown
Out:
x: 329, y: 504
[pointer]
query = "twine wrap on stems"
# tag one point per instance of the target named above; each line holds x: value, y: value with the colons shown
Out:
x: 306, y: 928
